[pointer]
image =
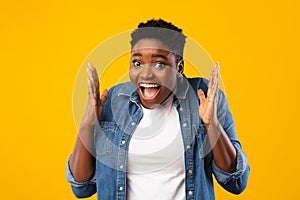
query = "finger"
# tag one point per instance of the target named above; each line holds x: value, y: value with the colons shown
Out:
x: 214, y: 82
x: 102, y: 101
x: 201, y: 95
x: 211, y: 81
x: 95, y: 85
x: 91, y: 82
x: 217, y: 78
x: 90, y: 73
x: 103, y: 97
x: 94, y: 75
x: 91, y: 88
x: 94, y: 81
x: 92, y: 69
x: 91, y: 91
x: 216, y: 98
x: 90, y: 66
x: 214, y: 95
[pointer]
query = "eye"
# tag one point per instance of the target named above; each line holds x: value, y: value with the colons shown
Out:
x: 137, y: 63
x: 160, y: 65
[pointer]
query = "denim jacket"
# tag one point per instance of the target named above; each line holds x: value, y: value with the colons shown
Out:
x: 121, y: 115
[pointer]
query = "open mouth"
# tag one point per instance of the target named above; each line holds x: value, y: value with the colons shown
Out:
x: 149, y: 91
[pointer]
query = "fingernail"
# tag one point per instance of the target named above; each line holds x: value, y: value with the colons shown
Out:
x: 89, y: 64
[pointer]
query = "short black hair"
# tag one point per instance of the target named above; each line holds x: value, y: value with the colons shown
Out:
x: 166, y: 32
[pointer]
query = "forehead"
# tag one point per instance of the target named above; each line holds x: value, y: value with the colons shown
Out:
x: 149, y: 43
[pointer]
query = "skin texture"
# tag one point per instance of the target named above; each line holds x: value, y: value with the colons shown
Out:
x: 222, y: 148
x: 151, y: 62
x: 82, y: 162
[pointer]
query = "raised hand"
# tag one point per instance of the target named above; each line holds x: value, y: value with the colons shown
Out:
x: 208, y: 104
x: 82, y: 160
x: 95, y: 101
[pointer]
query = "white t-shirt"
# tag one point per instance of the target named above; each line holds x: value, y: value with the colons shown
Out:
x: 156, y: 157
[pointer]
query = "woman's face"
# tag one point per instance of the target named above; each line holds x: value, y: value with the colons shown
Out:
x: 153, y: 71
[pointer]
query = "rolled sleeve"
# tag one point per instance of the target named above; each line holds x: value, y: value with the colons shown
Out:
x: 80, y: 189
x: 236, y: 181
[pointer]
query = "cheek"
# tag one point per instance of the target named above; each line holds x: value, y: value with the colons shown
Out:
x: 169, y: 78
x: 132, y: 76
x: 173, y: 80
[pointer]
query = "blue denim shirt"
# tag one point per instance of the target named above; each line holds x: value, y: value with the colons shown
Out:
x: 121, y: 115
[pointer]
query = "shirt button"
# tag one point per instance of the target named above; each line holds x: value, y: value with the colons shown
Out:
x: 184, y: 124
x: 121, y: 166
x: 188, y: 146
x: 123, y: 142
x: 190, y: 192
x: 180, y: 108
x: 132, y: 123
x: 190, y: 171
x: 121, y: 188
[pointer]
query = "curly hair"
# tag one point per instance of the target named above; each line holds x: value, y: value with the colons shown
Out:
x: 166, y: 32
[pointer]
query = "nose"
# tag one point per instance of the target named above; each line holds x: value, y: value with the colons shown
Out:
x: 146, y: 72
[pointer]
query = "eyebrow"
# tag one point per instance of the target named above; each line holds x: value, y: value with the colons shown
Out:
x: 153, y: 55
x: 137, y: 54
x: 159, y: 56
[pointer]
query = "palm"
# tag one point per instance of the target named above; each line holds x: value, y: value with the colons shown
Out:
x: 206, y: 110
x: 95, y: 101
x: 208, y: 104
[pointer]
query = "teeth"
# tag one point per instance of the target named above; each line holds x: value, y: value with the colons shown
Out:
x: 149, y: 85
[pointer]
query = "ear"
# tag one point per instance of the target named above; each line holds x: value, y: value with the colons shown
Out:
x: 180, y: 66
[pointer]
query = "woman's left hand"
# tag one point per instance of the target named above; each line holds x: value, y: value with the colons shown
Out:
x: 208, y: 104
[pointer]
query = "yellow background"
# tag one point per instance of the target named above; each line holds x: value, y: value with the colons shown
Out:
x: 43, y: 44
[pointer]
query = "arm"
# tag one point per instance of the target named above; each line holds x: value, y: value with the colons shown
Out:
x: 229, y: 164
x: 223, y: 150
x: 81, y: 164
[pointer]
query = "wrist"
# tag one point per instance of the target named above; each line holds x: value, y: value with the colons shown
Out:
x: 213, y: 125
x: 87, y: 124
x: 89, y: 119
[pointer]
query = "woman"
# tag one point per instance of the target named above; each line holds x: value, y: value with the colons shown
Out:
x: 160, y: 136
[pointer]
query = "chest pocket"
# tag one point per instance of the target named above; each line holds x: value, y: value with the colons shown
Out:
x: 202, y: 141
x: 104, y: 138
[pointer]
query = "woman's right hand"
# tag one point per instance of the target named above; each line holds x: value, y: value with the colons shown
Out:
x: 95, y: 101
x: 82, y: 160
